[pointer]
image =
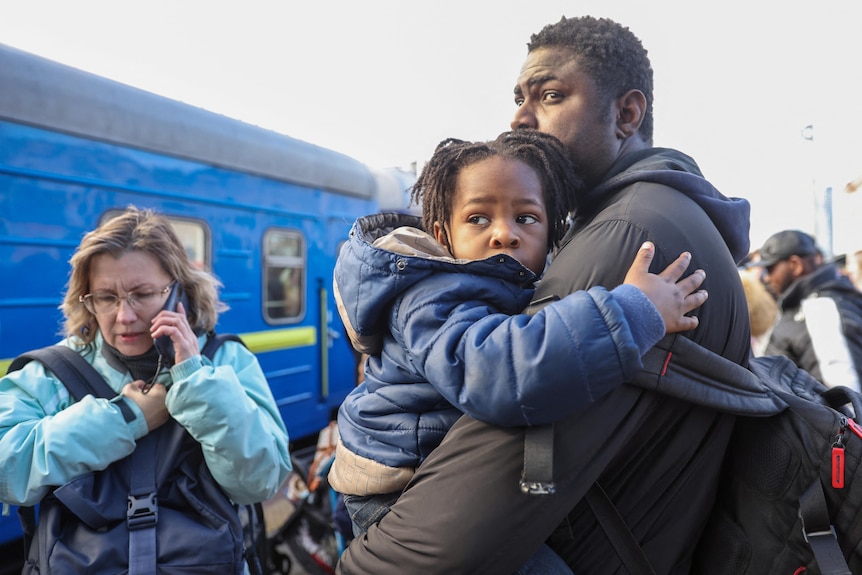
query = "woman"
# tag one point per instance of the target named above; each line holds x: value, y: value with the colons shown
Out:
x: 229, y: 429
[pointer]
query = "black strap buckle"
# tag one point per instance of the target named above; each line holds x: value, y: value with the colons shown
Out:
x: 143, y: 511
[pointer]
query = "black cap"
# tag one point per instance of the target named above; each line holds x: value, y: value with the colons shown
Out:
x: 784, y: 244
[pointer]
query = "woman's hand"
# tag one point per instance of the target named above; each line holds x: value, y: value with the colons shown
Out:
x: 175, y: 324
x: 152, y: 403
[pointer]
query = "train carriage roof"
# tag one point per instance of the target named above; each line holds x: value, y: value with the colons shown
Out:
x: 43, y: 93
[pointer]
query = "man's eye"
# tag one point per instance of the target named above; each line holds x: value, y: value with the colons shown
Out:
x: 519, y: 102
x: 551, y: 96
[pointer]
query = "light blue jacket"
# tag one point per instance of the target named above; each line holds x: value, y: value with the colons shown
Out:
x: 226, y: 405
x: 444, y: 341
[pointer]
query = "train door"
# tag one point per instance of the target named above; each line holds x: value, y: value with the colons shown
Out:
x: 341, y: 361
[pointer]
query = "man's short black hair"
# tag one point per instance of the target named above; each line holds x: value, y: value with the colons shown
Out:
x: 613, y: 56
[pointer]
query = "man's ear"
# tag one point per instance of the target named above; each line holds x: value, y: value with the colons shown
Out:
x: 797, y: 266
x: 631, y: 108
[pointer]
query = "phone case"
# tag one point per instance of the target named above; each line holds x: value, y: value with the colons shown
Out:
x: 163, y: 344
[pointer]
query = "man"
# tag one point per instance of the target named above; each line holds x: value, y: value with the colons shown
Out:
x: 589, y: 82
x: 820, y: 326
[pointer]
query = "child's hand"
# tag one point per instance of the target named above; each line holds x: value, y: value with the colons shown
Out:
x: 673, y: 297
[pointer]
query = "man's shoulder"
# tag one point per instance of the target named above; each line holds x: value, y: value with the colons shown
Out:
x: 659, y: 212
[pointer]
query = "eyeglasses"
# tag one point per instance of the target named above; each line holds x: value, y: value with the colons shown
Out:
x: 105, y: 302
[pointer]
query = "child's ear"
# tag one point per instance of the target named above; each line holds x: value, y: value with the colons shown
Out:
x: 440, y: 234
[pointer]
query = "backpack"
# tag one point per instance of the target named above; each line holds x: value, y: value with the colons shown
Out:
x: 788, y: 502
x: 159, y: 510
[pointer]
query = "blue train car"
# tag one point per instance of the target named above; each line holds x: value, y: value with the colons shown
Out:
x: 264, y: 212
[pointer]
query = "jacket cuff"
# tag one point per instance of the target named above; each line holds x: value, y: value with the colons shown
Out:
x: 645, y: 322
x: 185, y: 368
x: 138, y: 422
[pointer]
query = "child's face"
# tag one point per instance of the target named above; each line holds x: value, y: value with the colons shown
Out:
x: 498, y: 207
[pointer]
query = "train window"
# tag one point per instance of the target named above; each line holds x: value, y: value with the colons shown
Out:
x: 194, y: 235
x: 283, y: 276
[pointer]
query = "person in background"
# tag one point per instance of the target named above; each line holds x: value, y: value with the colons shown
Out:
x: 820, y: 326
x: 234, y: 448
x: 762, y: 309
x: 433, y: 308
x: 854, y: 265
x: 589, y: 82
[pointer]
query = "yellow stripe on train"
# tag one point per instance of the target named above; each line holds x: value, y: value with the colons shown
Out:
x: 275, y: 339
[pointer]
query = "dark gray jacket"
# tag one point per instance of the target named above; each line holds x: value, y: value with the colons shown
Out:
x: 661, y: 196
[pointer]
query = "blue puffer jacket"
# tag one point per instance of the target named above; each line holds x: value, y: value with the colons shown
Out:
x: 443, y: 340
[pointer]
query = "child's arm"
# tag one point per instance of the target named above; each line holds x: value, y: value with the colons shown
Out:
x: 525, y: 370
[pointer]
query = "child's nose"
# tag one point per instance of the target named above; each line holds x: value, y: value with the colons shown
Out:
x: 505, y: 236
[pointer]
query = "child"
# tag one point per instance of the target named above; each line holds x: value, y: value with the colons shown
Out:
x: 438, y: 315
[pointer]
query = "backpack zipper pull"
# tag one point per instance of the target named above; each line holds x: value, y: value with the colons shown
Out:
x: 848, y: 422
x: 838, y: 450
x: 838, y: 457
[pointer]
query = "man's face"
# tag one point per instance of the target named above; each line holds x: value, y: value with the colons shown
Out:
x: 781, y: 274
x: 554, y: 95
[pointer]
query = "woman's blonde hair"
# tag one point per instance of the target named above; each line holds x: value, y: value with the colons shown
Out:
x: 762, y: 307
x: 145, y: 231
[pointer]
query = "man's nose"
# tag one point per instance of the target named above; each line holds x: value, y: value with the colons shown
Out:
x: 524, y: 118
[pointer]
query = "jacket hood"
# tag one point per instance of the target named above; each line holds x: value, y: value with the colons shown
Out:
x: 674, y: 169
x: 385, y: 255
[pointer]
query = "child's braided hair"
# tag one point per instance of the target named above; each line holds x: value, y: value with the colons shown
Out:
x: 435, y: 187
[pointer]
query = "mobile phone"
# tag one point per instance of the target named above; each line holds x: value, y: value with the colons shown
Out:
x: 163, y: 344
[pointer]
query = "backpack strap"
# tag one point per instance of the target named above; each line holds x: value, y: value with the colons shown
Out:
x: 76, y: 373
x: 143, y: 511
x: 678, y: 367
x: 620, y: 536
x: 839, y: 396
x: 537, y: 475
x: 215, y: 341
x: 819, y: 532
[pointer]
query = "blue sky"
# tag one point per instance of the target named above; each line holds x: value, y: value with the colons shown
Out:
x: 386, y: 80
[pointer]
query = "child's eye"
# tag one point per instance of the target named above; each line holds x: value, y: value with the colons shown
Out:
x: 477, y: 220
x: 527, y: 219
